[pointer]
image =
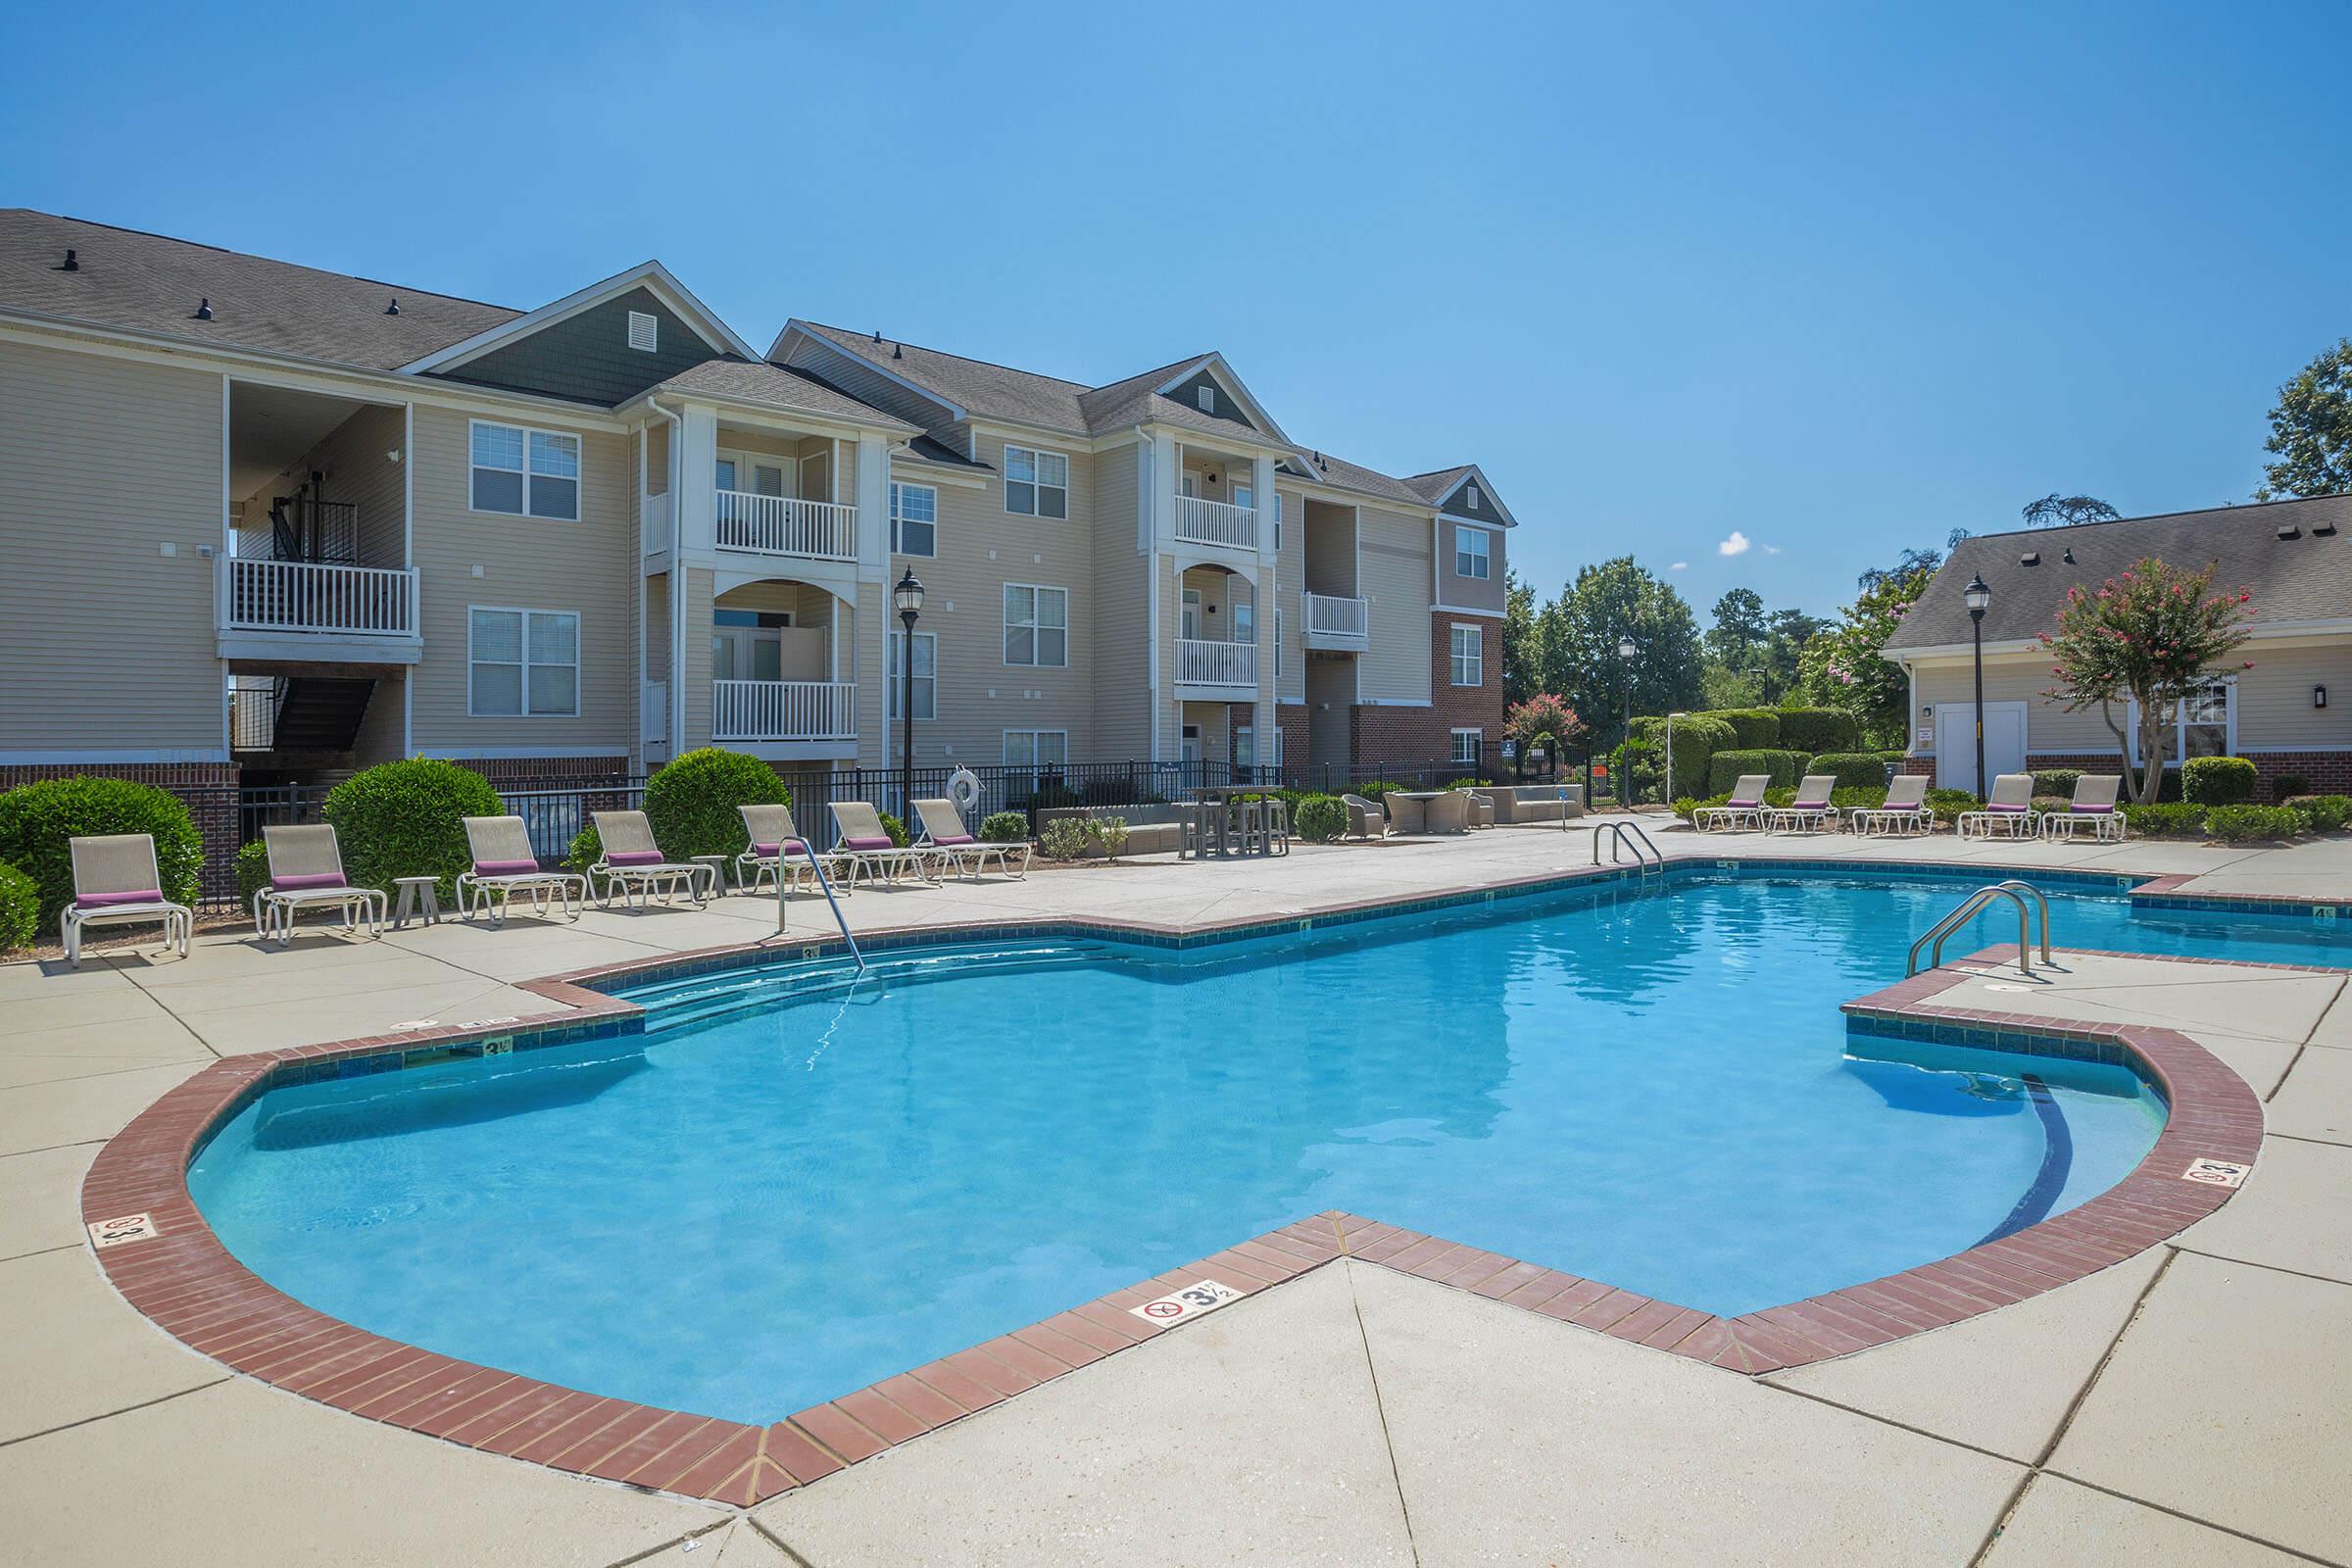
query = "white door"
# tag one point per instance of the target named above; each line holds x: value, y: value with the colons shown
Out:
x: 1190, y: 630
x: 1192, y: 743
x: 1956, y: 743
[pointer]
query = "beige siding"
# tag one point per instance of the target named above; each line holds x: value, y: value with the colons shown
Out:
x: 656, y: 627
x: 1470, y: 593
x: 1395, y: 557
x: 694, y: 679
x: 111, y: 645
x: 530, y: 563
x: 1122, y: 613
x: 352, y: 457
x: 384, y: 728
x: 1289, y: 583
x: 2273, y: 697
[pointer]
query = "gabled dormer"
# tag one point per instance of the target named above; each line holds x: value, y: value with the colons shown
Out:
x: 1209, y: 387
x: 1465, y: 495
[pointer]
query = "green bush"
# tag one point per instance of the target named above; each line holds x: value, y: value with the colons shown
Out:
x: 2322, y: 813
x: 2059, y: 781
x: 1947, y: 805
x: 19, y: 909
x: 252, y: 871
x: 2159, y: 820
x: 1697, y: 737
x: 1320, y: 818
x: 2285, y: 787
x: 404, y: 818
x: 1004, y: 827
x: 1853, y: 770
x: 691, y: 802
x: 1782, y: 767
x: 2217, y: 780
x: 2053, y: 803
x: 37, y: 821
x: 587, y: 846
x: 1065, y: 838
x: 2244, y: 824
x: 1753, y: 729
x: 1375, y: 789
x: 890, y: 825
x: 1110, y: 833
x: 1818, y: 729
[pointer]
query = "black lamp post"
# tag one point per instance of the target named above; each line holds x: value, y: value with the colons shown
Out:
x: 909, y: 597
x: 1626, y: 648
x: 1979, y: 598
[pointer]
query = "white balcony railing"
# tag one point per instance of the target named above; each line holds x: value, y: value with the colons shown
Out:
x: 658, y: 531
x: 1338, y: 619
x: 259, y: 594
x: 1216, y: 522
x: 779, y: 525
x: 783, y: 711
x: 1202, y: 662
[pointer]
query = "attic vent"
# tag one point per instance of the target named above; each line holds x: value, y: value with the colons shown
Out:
x: 2069, y: 557
x: 71, y: 263
x: 1470, y: 497
x: 203, y: 311
x: 1208, y: 397
x: 2032, y: 558
x: 645, y: 332
x: 2287, y: 530
x: 2323, y: 530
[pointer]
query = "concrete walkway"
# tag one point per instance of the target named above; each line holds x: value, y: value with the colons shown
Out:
x: 2194, y: 1404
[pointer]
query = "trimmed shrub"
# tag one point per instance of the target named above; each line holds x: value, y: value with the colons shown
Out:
x: 1110, y: 833
x: 2163, y: 819
x: 2285, y: 787
x: 1320, y: 818
x: 1947, y: 805
x: 2058, y: 781
x: 2053, y: 803
x: 2246, y: 825
x: 19, y: 909
x: 1817, y: 729
x: 1378, y: 788
x: 2217, y: 780
x: 404, y: 818
x: 37, y: 819
x: 2322, y: 813
x: 1697, y: 737
x: 1782, y: 767
x: 1004, y: 827
x: 1753, y: 729
x: 253, y: 872
x: 691, y: 802
x: 586, y: 848
x: 1065, y: 838
x: 890, y: 825
x: 1853, y: 770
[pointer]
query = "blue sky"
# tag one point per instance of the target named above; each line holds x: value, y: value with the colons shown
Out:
x: 1827, y: 279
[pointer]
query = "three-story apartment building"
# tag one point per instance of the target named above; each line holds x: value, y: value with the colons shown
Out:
x: 265, y: 521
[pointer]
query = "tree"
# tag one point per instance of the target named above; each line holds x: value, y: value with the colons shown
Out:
x: 1738, y: 629
x: 1579, y: 636
x: 1842, y: 666
x: 1522, y: 652
x: 1911, y: 562
x: 2311, y: 430
x: 1544, y: 718
x: 1778, y: 664
x: 2151, y: 637
x: 2055, y: 511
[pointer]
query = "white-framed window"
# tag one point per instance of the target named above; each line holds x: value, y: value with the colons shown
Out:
x: 1245, y: 622
x: 1244, y: 494
x: 1470, y: 496
x: 1207, y: 396
x: 522, y: 664
x: 1467, y: 743
x: 2205, y: 724
x: 1278, y: 658
x: 1470, y: 546
x: 1277, y: 523
x: 1469, y: 656
x: 926, y: 675
x: 1245, y: 746
x: 645, y: 332
x: 526, y: 472
x: 1276, y: 738
x: 1037, y: 484
x: 1042, y: 752
x: 1037, y: 626
x: 914, y: 519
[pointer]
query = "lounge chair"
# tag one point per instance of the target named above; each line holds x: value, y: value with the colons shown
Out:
x: 869, y: 846
x: 943, y: 830
x: 1746, y: 806
x: 778, y: 854
x: 306, y: 872
x: 1905, y: 810
x: 2092, y: 807
x: 115, y: 883
x: 1811, y: 811
x: 633, y: 862
x: 505, y: 865
x: 2010, y: 812
x: 1366, y: 818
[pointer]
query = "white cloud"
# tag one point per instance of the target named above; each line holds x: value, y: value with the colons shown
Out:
x: 1736, y: 545
x: 1680, y: 566
x: 1771, y: 550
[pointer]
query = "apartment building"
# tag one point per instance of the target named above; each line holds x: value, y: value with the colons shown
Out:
x: 271, y: 523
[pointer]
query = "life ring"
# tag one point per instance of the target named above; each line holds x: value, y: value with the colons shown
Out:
x: 963, y: 787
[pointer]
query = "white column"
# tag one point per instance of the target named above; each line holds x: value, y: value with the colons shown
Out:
x: 1261, y: 496
x: 697, y: 500
x: 1161, y: 467
x: 873, y: 569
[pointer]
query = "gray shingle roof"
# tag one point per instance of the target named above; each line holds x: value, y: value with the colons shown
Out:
x: 1342, y: 474
x: 747, y: 382
x: 933, y: 451
x: 2308, y: 577
x: 980, y: 388
x: 149, y: 284
x: 1435, y: 486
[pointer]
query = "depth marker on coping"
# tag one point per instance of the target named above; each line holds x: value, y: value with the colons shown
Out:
x: 1202, y: 1295
x: 2215, y: 1172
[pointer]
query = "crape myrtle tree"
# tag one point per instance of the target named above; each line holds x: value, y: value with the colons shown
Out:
x: 1542, y: 719
x: 2151, y: 636
x: 1842, y: 666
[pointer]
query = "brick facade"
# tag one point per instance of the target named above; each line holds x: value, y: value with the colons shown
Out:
x: 1424, y: 736
x: 523, y: 772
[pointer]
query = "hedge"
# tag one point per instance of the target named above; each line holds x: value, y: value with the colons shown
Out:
x: 37, y: 821
x: 2165, y: 819
x: 2056, y: 782
x: 1320, y: 818
x: 1947, y: 805
x: 19, y: 909
x: 2243, y: 824
x: 1853, y: 770
x: 1819, y: 729
x: 404, y: 818
x: 2217, y: 780
x: 1782, y: 767
x: 691, y: 802
x: 1753, y: 729
x: 2322, y: 813
x: 2285, y: 787
x: 1697, y: 737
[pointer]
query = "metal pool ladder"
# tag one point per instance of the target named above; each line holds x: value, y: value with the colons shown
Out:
x: 1629, y: 837
x: 826, y: 885
x: 2016, y: 893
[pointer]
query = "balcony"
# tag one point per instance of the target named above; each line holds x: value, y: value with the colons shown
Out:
x: 1230, y: 668
x: 1215, y: 522
x: 318, y: 613
x: 784, y: 718
x: 780, y: 526
x: 1340, y: 624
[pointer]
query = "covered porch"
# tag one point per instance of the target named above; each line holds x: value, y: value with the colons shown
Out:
x: 780, y: 649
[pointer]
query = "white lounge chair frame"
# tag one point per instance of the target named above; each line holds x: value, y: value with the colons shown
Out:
x: 2093, y: 806
x: 970, y: 859
x: 1905, y: 810
x: 311, y: 851
x: 505, y: 840
x: 773, y: 824
x: 1747, y: 805
x: 110, y: 865
x: 2010, y: 809
x: 629, y: 833
x: 858, y: 820
x: 1810, y: 811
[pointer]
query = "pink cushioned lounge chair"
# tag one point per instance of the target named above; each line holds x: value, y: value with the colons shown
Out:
x: 1745, y: 807
x: 306, y: 872
x: 505, y: 865
x: 943, y: 830
x: 635, y: 865
x: 778, y: 853
x: 2009, y: 812
x: 2093, y: 806
x: 869, y: 842
x: 1811, y: 811
x: 115, y: 883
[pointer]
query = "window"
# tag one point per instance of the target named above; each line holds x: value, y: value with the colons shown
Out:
x: 1470, y: 497
x: 1206, y: 395
x: 522, y: 664
x: 1243, y: 495
x: 1042, y: 753
x: 528, y: 474
x: 1277, y: 523
x: 645, y: 332
x: 926, y: 675
x: 914, y: 519
x: 1469, y: 657
x: 2205, y: 724
x: 1037, y: 484
x: 1278, y: 666
x: 1470, y: 547
x: 1467, y: 742
x: 1245, y: 623
x: 1245, y: 746
x: 1037, y: 623
x: 747, y: 644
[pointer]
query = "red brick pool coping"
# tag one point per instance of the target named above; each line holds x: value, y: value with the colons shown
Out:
x: 186, y: 1282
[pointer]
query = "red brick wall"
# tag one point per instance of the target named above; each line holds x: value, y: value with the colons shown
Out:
x: 1424, y: 736
x: 1293, y: 722
x: 523, y: 772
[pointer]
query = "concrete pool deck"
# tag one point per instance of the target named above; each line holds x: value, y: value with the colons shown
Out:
x: 2190, y: 1404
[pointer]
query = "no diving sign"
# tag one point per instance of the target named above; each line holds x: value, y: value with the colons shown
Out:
x: 1203, y: 1296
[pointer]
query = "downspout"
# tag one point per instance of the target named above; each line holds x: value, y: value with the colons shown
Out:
x: 676, y: 717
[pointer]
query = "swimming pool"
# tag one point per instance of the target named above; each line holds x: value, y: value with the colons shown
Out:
x: 801, y: 1189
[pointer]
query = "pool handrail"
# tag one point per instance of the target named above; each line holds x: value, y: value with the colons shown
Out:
x: 2014, y: 890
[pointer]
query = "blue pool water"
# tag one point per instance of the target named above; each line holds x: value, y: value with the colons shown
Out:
x: 746, y: 1215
